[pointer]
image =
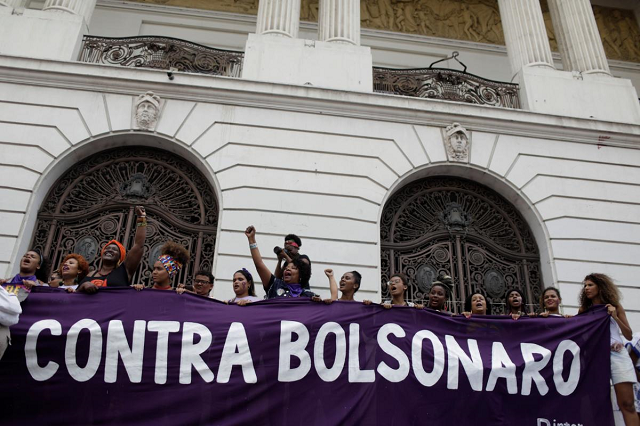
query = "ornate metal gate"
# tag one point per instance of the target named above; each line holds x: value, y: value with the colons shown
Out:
x: 94, y: 202
x: 456, y: 227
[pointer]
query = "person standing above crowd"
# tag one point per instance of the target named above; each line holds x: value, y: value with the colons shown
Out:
x: 244, y: 288
x: 476, y: 304
x: 116, y: 266
x: 295, y: 277
x: 291, y: 250
x: 349, y: 285
x: 72, y: 270
x: 172, y: 259
x: 599, y: 289
x: 33, y: 272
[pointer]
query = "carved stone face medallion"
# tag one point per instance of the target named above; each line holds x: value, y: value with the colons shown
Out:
x: 147, y: 111
x: 457, y: 142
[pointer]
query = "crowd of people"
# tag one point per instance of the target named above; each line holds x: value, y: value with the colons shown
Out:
x: 291, y: 279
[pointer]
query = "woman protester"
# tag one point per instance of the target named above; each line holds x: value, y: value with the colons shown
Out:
x: 295, y: 278
x: 117, y: 267
x: 398, y: 285
x: 476, y: 304
x: 33, y: 272
x: 244, y: 288
x: 172, y: 259
x: 599, y: 289
x: 515, y: 303
x: 349, y: 285
x: 550, y: 301
x: 438, y: 296
x: 72, y: 270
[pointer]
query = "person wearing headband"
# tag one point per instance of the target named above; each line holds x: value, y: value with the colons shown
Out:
x: 172, y: 259
x: 292, y: 244
x: 244, y: 288
x: 117, y: 266
x: 295, y: 278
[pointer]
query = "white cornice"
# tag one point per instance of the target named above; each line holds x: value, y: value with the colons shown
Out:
x: 371, y: 106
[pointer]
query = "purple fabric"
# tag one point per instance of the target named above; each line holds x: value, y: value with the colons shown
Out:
x: 295, y: 289
x: 370, y: 370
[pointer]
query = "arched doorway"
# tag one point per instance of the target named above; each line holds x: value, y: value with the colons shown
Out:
x: 456, y: 227
x: 93, y: 202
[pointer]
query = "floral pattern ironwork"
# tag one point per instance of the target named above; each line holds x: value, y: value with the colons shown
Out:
x: 94, y: 202
x: 445, y: 84
x: 459, y: 228
x: 161, y: 53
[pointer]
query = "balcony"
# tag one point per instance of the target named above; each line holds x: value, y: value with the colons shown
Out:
x: 168, y: 53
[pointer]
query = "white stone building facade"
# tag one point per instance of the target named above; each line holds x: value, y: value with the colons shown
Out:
x: 301, y: 144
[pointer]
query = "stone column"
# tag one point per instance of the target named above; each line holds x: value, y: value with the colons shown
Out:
x: 279, y: 17
x: 82, y: 8
x: 12, y: 3
x: 339, y: 21
x: 525, y: 34
x: 578, y: 37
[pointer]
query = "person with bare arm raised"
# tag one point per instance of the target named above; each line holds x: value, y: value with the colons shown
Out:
x: 294, y: 278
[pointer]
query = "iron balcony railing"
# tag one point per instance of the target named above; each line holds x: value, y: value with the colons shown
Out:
x: 168, y: 53
x: 161, y: 53
x: 445, y: 84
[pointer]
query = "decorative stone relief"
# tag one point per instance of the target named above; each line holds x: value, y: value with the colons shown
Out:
x: 147, y: 111
x: 456, y: 140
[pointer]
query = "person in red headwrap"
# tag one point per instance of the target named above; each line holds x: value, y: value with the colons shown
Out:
x: 117, y: 266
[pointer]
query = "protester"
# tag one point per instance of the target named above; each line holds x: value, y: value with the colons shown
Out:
x: 244, y: 288
x: 203, y: 283
x: 550, y: 301
x: 515, y: 303
x: 349, y: 285
x: 599, y: 289
x: 117, y: 266
x: 398, y: 285
x: 172, y: 259
x: 72, y: 270
x: 10, y: 311
x: 291, y: 250
x: 476, y: 304
x: 294, y: 278
x: 32, y: 271
x: 634, y: 352
x: 438, y: 296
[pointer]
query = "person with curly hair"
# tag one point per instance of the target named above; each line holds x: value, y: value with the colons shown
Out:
x: 172, y: 259
x: 439, y: 294
x: 295, y: 278
x: 72, y: 270
x: 476, y: 304
x: 599, y: 289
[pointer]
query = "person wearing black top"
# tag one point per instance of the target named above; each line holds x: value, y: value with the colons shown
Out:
x: 295, y: 278
x: 117, y: 266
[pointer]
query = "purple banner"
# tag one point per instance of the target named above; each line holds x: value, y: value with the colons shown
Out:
x: 156, y: 357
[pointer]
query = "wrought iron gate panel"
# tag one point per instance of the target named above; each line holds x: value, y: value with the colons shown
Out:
x: 456, y: 227
x: 94, y: 201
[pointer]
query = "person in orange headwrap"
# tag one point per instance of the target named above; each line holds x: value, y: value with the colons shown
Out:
x: 117, y: 266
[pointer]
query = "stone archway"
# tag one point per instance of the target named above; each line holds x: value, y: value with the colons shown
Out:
x: 93, y: 202
x: 453, y: 226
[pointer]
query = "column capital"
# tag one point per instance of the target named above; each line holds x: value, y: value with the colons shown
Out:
x: 82, y: 8
x: 12, y: 3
